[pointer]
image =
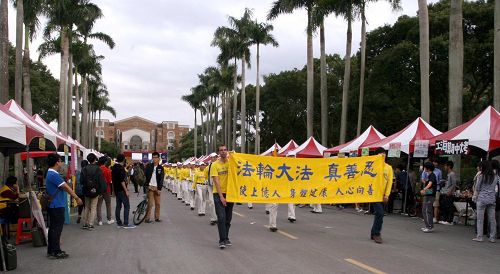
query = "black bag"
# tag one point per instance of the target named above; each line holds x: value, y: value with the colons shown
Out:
x: 9, y: 256
x: 90, y: 181
x: 46, y: 199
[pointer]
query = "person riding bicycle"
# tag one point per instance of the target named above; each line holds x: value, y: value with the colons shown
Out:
x: 154, y: 184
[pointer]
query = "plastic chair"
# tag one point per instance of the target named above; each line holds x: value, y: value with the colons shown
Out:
x: 21, y: 235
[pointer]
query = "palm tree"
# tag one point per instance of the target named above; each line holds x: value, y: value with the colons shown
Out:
x: 193, y: 100
x: 100, y: 103
x: 423, y: 22
x: 456, y: 65
x: 4, y: 51
x: 32, y: 10
x: 18, y: 74
x: 362, y: 5
x: 260, y: 34
x: 288, y: 6
x: 496, y: 67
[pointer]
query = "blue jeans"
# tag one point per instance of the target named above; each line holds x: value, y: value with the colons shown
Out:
x: 378, y: 220
x: 121, y: 198
x: 224, y: 216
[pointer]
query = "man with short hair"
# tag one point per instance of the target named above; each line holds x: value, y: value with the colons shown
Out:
x: 447, y: 192
x: 154, y: 184
x: 210, y: 183
x: 55, y: 187
x: 94, y: 184
x: 104, y: 162
x: 429, y: 193
x: 119, y: 177
x: 200, y: 185
x: 378, y: 208
x: 223, y: 209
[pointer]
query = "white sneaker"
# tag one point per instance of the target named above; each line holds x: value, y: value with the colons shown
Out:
x: 111, y: 222
x: 100, y: 223
x: 442, y: 222
x: 427, y: 230
x: 447, y: 223
x: 435, y: 220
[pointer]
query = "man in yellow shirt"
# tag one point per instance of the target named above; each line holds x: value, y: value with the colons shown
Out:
x: 209, y: 192
x: 378, y: 208
x: 223, y: 209
x: 200, y: 186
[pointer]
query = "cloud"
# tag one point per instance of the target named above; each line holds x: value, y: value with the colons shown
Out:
x: 161, y: 47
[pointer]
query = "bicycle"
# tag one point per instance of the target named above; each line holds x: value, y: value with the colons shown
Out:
x: 140, y: 211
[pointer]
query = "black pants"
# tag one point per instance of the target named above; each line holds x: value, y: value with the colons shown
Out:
x: 56, y: 222
x: 447, y: 207
x: 122, y: 199
x: 81, y: 207
x: 224, y: 216
x: 136, y: 186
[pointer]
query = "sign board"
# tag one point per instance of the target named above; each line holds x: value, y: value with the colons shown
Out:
x: 452, y: 147
x: 421, y: 149
x: 145, y: 157
x: 365, y: 151
x: 394, y: 150
x: 41, y: 143
x: 164, y: 157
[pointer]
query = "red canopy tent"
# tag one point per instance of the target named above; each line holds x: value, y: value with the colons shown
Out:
x: 15, y: 135
x: 288, y: 147
x: 309, y: 149
x: 270, y: 151
x: 482, y: 131
x: 370, y: 135
x: 417, y: 130
x: 44, y: 124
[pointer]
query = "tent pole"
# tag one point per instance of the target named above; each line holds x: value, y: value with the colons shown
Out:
x: 406, y: 183
x: 29, y: 172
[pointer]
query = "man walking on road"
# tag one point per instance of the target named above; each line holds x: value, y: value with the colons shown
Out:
x: 378, y: 208
x: 154, y: 184
x: 223, y: 209
x: 119, y: 176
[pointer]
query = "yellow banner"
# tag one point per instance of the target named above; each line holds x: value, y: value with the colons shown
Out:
x: 41, y: 143
x: 266, y: 179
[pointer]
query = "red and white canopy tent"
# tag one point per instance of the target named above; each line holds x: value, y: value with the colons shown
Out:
x: 482, y: 131
x: 287, y: 148
x: 44, y: 124
x: 51, y: 137
x: 370, y: 135
x: 269, y: 152
x: 417, y: 130
x: 15, y: 135
x: 309, y: 149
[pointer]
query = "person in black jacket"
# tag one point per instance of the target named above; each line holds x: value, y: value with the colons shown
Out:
x: 94, y: 184
x: 154, y: 183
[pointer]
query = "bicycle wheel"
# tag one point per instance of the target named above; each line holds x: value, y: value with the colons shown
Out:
x: 140, y: 212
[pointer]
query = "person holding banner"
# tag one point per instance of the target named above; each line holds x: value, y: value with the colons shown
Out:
x: 273, y: 212
x: 378, y: 208
x: 223, y: 209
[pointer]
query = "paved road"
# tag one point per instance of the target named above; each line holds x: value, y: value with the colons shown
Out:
x: 336, y: 241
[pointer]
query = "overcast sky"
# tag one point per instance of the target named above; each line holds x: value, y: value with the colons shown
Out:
x: 161, y: 46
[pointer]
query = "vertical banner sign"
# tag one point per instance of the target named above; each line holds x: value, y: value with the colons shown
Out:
x: 452, y: 147
x: 164, y: 157
x: 421, y: 149
x: 262, y: 179
x: 394, y: 150
x: 41, y: 143
x: 145, y: 157
x: 365, y: 151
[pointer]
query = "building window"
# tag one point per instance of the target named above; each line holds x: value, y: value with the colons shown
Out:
x: 171, y: 135
x: 126, y: 146
x: 146, y: 147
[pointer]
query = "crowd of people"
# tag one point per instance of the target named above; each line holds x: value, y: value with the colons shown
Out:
x: 203, y: 186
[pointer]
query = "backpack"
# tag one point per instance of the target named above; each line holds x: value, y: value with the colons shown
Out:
x: 139, y: 176
x: 90, y: 181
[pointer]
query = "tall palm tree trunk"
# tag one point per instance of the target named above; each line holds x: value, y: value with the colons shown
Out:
x: 456, y: 62
x: 203, y: 149
x: 257, y: 104
x: 100, y: 128
x: 243, y: 111
x: 63, y: 81
x: 4, y: 52
x: 423, y: 20
x: 195, y: 135
x: 85, y: 112
x: 69, y: 99
x: 18, y: 85
x: 27, y: 105
x: 496, y: 66
x: 323, y: 87
x: 310, y: 75
x: 362, y: 70
x: 235, y: 104
x: 347, y: 78
x: 216, y: 121
x: 223, y: 113
x: 77, y: 107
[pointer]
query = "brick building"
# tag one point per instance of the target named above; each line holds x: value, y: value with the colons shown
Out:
x: 140, y: 134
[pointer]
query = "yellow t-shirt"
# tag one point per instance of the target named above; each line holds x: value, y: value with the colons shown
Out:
x: 199, y: 177
x: 388, y: 178
x: 220, y: 169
